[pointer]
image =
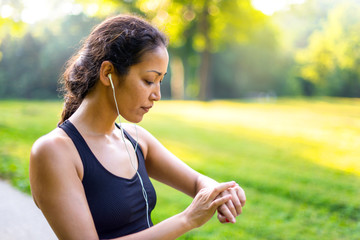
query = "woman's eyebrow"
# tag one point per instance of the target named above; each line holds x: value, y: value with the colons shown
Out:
x: 158, y: 73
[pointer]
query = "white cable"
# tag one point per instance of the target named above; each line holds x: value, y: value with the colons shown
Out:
x: 127, y: 150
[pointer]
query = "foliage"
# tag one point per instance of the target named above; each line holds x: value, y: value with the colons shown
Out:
x: 206, y: 26
x: 32, y: 65
x: 332, y: 59
x: 12, y: 24
x: 225, y: 48
x: 252, y: 68
x: 321, y: 35
x: 199, y: 26
x: 296, y: 159
x: 20, y: 125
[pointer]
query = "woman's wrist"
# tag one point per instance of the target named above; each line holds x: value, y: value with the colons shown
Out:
x: 185, y: 221
x: 204, y: 181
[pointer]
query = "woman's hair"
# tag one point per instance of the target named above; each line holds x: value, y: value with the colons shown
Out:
x: 122, y: 40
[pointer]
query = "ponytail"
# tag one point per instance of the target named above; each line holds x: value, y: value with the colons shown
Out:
x: 75, y: 85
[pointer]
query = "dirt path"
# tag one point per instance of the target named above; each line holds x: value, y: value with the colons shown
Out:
x: 20, y: 218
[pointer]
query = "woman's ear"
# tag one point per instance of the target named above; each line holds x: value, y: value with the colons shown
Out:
x: 106, y: 69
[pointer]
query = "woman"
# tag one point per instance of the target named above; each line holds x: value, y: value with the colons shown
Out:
x: 89, y: 176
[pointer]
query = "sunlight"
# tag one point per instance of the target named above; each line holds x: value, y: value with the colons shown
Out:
x: 332, y: 144
x: 6, y: 11
x: 269, y: 7
x: 37, y: 10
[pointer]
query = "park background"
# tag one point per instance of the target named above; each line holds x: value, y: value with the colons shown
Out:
x: 262, y: 92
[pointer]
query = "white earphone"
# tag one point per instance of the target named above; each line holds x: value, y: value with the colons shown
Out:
x: 111, y: 82
x: 136, y: 145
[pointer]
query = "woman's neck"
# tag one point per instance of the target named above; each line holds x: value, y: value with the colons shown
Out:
x: 94, y: 116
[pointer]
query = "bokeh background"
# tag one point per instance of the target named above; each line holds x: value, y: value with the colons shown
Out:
x: 262, y: 92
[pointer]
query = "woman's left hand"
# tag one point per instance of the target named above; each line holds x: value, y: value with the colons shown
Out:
x: 233, y: 208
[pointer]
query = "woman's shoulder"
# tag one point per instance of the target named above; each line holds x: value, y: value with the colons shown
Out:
x: 53, y: 142
x: 53, y: 147
x: 53, y: 162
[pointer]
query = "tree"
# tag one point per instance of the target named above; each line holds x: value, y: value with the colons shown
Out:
x: 204, y: 27
x: 10, y: 23
x: 32, y: 65
x: 331, y: 61
x: 255, y: 68
x: 195, y: 27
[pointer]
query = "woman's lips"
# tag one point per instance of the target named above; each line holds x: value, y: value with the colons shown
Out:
x: 146, y: 109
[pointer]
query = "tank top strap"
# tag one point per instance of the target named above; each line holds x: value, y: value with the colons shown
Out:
x: 139, y: 152
x: 128, y: 136
x: 79, y: 142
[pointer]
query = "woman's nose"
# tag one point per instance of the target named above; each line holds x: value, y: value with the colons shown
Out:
x: 156, y: 93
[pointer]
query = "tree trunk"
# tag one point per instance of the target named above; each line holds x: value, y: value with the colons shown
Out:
x: 204, y: 71
x: 177, y: 78
x: 204, y: 93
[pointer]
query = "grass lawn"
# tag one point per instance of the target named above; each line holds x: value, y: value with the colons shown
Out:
x: 297, y: 160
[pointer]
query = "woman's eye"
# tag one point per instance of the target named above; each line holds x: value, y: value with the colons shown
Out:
x: 149, y: 82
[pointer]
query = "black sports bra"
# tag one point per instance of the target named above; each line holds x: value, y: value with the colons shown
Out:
x: 117, y: 204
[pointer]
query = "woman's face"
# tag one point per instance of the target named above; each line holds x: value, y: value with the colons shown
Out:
x: 140, y: 88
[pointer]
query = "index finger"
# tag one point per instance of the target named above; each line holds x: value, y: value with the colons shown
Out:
x: 220, y: 188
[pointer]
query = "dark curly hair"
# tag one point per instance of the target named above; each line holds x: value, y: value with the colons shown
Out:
x: 122, y: 40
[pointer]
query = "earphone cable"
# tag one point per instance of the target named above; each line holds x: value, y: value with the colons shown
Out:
x: 132, y: 164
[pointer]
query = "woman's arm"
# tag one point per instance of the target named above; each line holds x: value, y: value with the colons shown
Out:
x: 165, y: 167
x: 199, y: 212
x: 57, y: 189
x: 55, y: 178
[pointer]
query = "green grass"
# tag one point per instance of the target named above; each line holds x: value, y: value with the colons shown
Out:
x: 297, y: 160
